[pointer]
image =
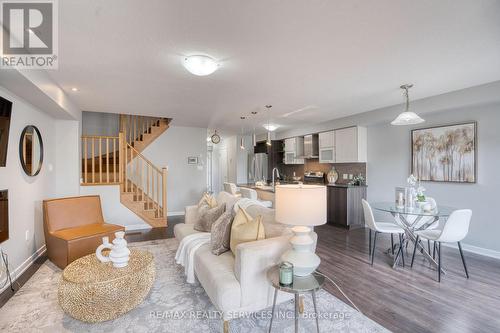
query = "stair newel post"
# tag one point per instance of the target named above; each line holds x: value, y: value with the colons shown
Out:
x: 164, y: 192
x: 121, y: 160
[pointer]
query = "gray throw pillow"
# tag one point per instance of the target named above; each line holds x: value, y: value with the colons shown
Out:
x: 221, y: 234
x: 208, y: 216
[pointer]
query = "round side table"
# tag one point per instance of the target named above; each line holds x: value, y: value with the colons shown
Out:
x: 301, y: 284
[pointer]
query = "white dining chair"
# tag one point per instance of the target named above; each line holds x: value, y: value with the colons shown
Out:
x: 381, y: 228
x: 252, y: 194
x: 232, y: 188
x: 454, y: 231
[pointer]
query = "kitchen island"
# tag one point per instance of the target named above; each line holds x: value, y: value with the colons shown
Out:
x: 264, y: 192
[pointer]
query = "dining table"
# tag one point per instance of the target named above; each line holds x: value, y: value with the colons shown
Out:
x: 413, y: 219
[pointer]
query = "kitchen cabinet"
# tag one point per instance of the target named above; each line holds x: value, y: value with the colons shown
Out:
x: 350, y: 145
x: 294, y: 147
x: 326, y: 139
x: 326, y: 144
x: 344, y: 206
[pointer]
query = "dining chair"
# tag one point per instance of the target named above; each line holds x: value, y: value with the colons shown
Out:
x: 252, y: 194
x: 454, y: 231
x: 232, y: 188
x: 381, y: 228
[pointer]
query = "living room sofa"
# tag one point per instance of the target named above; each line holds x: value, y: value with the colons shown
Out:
x: 238, y: 283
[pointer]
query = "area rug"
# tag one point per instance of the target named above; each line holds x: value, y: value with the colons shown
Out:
x: 172, y: 306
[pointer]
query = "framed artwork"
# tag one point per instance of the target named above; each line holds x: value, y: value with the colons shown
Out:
x: 192, y: 160
x: 444, y: 153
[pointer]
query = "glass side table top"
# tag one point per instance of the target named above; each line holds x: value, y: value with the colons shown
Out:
x: 300, y: 284
x: 440, y: 211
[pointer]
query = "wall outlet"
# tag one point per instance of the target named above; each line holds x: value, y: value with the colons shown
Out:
x: 27, y: 235
x: 344, y: 176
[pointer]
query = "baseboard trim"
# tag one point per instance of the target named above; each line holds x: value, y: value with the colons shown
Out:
x: 137, y: 227
x: 475, y: 249
x: 23, y: 267
x: 179, y: 213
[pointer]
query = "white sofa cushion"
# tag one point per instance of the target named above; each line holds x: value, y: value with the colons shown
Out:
x: 216, y: 274
x: 182, y: 230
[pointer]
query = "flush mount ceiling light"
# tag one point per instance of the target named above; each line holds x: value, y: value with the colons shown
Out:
x: 74, y: 89
x: 407, y: 117
x: 271, y: 127
x: 200, y: 65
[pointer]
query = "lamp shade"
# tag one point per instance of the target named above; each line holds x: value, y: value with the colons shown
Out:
x: 303, y: 205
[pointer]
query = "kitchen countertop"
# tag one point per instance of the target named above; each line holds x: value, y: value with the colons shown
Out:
x: 268, y: 188
x: 345, y: 185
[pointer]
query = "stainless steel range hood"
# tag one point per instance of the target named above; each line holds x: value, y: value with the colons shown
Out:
x: 311, y: 146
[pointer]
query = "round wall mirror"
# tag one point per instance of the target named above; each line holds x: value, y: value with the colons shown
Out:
x: 31, y: 150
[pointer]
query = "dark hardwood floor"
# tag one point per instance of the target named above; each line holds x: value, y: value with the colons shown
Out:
x: 410, y: 299
x: 401, y: 299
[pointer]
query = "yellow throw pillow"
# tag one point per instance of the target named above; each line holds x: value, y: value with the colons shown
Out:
x: 245, y: 229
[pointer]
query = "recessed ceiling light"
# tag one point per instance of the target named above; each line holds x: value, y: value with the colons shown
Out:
x: 74, y: 89
x: 271, y: 127
x: 200, y: 65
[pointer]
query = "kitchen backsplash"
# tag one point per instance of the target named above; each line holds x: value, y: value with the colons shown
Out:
x: 314, y: 165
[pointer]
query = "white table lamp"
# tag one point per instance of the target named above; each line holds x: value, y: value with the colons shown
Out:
x: 302, y: 206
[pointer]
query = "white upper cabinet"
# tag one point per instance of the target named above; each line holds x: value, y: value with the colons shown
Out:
x: 327, y: 139
x: 294, y: 147
x: 350, y: 145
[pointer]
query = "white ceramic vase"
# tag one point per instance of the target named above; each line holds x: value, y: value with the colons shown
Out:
x: 119, y: 255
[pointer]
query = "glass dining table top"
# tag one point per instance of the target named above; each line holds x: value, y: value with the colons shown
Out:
x: 390, y: 207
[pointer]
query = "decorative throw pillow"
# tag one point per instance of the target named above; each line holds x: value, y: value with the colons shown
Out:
x: 245, y: 229
x: 221, y: 233
x: 207, y: 216
x: 207, y: 199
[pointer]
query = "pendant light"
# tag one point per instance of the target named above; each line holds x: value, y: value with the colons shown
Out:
x: 268, y: 141
x: 254, y: 136
x: 407, y: 117
x: 242, y: 144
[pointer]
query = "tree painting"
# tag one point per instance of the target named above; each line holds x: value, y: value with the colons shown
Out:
x: 445, y: 154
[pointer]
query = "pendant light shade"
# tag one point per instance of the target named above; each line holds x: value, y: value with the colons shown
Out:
x: 242, y: 143
x: 407, y: 117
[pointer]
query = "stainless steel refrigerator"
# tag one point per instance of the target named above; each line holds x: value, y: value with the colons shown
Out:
x: 257, y: 167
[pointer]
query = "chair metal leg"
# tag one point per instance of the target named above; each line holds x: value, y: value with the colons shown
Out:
x: 415, y: 250
x: 373, y: 249
x: 434, y: 251
x: 429, y: 245
x: 401, y: 241
x: 439, y: 261
x: 369, y: 243
x: 463, y: 259
x: 392, y: 244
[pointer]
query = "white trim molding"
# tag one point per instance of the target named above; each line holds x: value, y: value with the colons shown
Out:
x: 16, y: 273
x: 475, y: 249
x: 180, y: 213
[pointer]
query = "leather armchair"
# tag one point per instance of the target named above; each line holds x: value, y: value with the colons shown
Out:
x: 74, y: 227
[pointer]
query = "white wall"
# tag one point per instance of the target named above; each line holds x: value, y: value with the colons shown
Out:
x: 185, y: 182
x: 68, y: 160
x: 99, y: 123
x: 26, y: 193
x: 112, y: 210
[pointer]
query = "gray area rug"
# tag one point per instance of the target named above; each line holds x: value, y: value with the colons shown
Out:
x: 172, y: 306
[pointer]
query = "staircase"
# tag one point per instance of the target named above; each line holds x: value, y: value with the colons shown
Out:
x: 109, y: 160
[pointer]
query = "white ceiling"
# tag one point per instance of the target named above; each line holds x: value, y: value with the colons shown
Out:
x: 331, y: 58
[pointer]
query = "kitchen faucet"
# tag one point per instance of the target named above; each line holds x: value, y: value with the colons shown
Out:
x: 277, y: 173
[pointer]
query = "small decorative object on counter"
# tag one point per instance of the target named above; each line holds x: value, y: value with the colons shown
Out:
x: 286, y: 273
x: 357, y: 180
x: 119, y: 255
x: 332, y: 176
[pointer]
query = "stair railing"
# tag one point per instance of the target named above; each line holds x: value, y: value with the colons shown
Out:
x: 134, y: 127
x: 100, y: 160
x: 144, y: 180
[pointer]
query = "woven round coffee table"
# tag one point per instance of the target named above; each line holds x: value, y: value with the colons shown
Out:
x: 93, y: 291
